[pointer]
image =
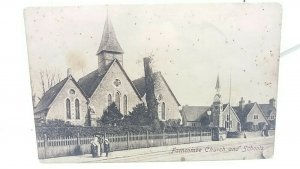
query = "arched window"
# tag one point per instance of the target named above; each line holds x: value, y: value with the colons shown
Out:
x: 163, y: 111
x: 118, y: 100
x: 68, y: 108
x: 125, y: 104
x: 77, y: 109
x: 109, y: 100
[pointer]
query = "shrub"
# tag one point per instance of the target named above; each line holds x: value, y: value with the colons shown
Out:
x: 112, y: 115
x: 138, y: 116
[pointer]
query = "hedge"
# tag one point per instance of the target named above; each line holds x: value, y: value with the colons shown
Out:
x: 73, y: 131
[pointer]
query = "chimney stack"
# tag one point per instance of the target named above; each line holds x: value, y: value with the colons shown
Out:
x: 242, y: 103
x: 69, y: 72
x: 249, y: 101
x: 148, y: 66
x: 272, y: 102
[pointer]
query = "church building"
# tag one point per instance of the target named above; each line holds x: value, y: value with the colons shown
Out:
x: 83, y: 102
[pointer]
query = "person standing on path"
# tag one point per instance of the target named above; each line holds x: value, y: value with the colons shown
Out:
x: 106, y: 146
x: 95, y: 147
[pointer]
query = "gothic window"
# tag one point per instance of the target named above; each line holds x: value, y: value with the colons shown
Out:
x: 109, y: 100
x: 68, y: 108
x: 227, y: 117
x: 77, y: 109
x: 125, y: 104
x: 163, y: 111
x: 226, y: 124
x: 255, y: 116
x: 118, y: 100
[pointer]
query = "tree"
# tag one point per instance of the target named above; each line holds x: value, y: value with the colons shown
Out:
x: 48, y: 79
x: 139, y: 116
x: 112, y: 115
x: 152, y: 103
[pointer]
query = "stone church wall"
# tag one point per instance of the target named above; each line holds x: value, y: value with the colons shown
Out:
x: 58, y: 107
x: 99, y: 100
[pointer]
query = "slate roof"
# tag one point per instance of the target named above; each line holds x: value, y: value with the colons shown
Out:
x: 247, y: 108
x: 109, y: 40
x: 194, y: 113
x: 49, y: 96
x: 267, y: 109
x: 243, y: 114
x: 224, y: 106
x: 140, y: 85
x: 89, y: 82
x: 235, y: 111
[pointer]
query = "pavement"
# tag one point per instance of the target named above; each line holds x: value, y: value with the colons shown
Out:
x: 229, y: 149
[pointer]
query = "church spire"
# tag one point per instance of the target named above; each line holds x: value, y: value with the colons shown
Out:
x: 218, y: 87
x: 109, y: 42
x: 109, y: 48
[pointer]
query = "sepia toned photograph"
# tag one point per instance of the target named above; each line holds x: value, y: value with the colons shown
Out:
x: 141, y: 83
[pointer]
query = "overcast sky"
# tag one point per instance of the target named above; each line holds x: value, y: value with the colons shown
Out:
x: 191, y: 44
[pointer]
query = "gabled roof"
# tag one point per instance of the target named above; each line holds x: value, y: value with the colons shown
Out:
x: 140, y: 85
x: 194, y: 113
x: 267, y: 109
x: 51, y: 94
x: 109, y: 40
x: 234, y: 111
x: 242, y: 114
x: 246, y: 110
x: 91, y: 81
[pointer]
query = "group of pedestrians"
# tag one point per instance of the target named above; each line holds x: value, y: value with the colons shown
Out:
x: 100, y: 145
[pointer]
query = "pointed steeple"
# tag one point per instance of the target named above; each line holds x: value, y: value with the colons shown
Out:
x: 218, y: 87
x: 109, y: 42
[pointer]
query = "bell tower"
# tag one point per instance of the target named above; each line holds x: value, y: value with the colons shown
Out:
x: 217, y: 106
x: 109, y: 48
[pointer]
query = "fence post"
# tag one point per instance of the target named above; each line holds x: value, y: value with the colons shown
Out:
x: 147, y: 138
x: 163, y: 138
x: 189, y: 137
x: 200, y: 135
x: 104, y: 136
x: 78, y: 141
x: 127, y: 140
x: 177, y: 137
x: 45, y: 145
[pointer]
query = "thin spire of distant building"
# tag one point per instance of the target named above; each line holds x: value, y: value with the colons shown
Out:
x: 218, y: 86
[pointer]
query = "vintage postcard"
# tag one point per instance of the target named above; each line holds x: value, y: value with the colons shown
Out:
x: 135, y: 83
